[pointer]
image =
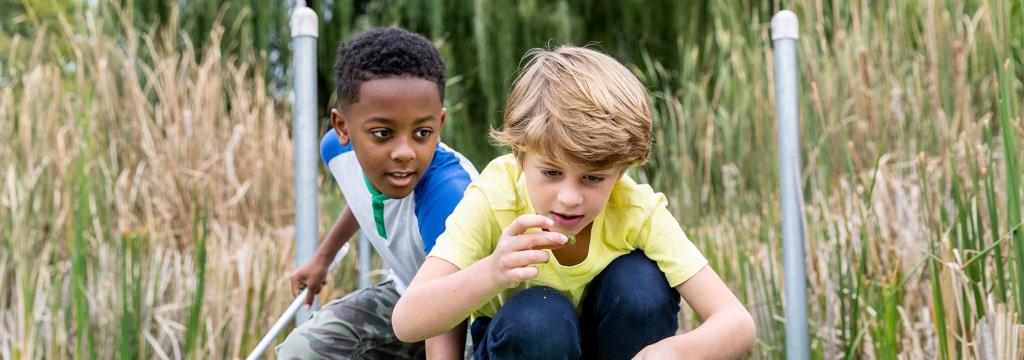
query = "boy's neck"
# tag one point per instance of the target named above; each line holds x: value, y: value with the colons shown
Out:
x: 577, y: 253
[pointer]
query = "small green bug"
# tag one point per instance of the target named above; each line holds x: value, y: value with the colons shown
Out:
x: 571, y: 241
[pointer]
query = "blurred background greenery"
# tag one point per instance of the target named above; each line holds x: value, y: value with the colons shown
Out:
x: 145, y: 157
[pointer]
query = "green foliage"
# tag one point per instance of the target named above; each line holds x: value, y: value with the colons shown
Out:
x: 195, y: 328
x: 84, y: 348
x: 131, y: 344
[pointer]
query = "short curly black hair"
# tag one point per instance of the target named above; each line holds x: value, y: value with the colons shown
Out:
x: 381, y: 53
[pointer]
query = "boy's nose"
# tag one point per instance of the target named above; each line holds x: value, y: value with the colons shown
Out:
x: 403, y: 152
x: 569, y: 196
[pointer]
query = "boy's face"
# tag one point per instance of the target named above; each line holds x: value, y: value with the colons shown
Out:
x: 569, y: 195
x: 393, y: 128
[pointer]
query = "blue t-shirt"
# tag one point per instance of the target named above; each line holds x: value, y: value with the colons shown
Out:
x: 401, y: 230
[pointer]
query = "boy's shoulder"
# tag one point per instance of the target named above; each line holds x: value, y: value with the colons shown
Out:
x: 633, y: 205
x: 449, y: 170
x: 331, y: 147
x: 502, y: 184
x: 501, y: 168
x: 439, y: 190
x: 628, y: 194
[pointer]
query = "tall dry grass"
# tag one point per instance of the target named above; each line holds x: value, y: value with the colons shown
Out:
x: 911, y: 125
x: 130, y: 169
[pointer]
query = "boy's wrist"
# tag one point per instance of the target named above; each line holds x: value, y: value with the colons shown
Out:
x: 686, y: 343
x: 489, y: 266
x: 322, y: 258
x: 500, y: 278
x: 328, y: 249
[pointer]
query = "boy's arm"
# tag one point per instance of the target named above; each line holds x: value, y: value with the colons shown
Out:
x: 726, y: 330
x: 340, y: 233
x: 450, y: 345
x: 450, y: 294
x: 442, y: 296
x: 313, y: 273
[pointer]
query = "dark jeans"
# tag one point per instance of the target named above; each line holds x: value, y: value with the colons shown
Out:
x: 628, y: 306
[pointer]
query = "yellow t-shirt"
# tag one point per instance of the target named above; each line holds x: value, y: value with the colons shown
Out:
x: 634, y: 218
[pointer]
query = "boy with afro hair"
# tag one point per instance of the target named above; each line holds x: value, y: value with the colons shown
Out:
x: 400, y: 184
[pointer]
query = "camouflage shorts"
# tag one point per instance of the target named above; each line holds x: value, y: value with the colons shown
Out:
x: 357, y: 326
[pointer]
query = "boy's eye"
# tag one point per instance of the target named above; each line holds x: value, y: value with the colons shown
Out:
x: 381, y: 133
x: 550, y: 173
x: 593, y: 179
x: 423, y: 133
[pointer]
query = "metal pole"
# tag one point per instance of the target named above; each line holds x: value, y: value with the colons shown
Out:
x: 304, y: 36
x: 364, y: 262
x: 785, y: 29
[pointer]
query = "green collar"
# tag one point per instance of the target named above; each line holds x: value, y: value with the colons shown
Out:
x: 378, y: 208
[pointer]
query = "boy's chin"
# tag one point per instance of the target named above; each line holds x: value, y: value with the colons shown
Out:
x: 392, y: 191
x: 397, y: 193
x: 574, y: 231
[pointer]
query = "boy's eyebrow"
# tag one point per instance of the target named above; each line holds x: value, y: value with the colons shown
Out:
x: 423, y: 119
x: 381, y: 120
x: 387, y: 121
x: 598, y: 172
x: 545, y: 163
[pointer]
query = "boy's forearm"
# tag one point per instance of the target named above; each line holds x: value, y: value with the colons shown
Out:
x: 343, y: 229
x: 727, y: 335
x: 451, y: 300
x: 450, y: 345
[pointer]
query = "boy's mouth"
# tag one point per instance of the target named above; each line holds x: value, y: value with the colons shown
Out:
x: 399, y: 179
x: 566, y: 220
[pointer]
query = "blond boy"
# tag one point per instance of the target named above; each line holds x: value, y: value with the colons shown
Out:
x: 575, y: 121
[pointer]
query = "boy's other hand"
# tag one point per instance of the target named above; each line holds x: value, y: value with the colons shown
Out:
x: 312, y: 274
x: 518, y: 249
x: 659, y: 351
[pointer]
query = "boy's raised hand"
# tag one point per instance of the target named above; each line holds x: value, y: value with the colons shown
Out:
x: 518, y: 249
x: 312, y: 274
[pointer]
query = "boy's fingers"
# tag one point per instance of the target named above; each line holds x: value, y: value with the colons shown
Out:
x: 538, y: 240
x: 523, y: 273
x: 520, y: 224
x: 524, y: 258
x: 309, y: 297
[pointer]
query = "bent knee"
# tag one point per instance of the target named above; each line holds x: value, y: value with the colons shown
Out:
x: 537, y: 323
x: 319, y: 339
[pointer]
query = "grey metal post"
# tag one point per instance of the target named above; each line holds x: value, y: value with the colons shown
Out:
x: 364, y: 262
x: 304, y: 36
x: 785, y: 29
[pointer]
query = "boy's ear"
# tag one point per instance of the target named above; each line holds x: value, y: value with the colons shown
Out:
x: 340, y: 125
x: 444, y: 116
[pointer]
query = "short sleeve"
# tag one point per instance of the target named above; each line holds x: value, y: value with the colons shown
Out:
x: 330, y: 147
x: 663, y: 240
x: 471, y: 231
x: 438, y: 192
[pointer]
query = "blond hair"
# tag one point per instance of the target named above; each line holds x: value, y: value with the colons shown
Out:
x: 579, y: 106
